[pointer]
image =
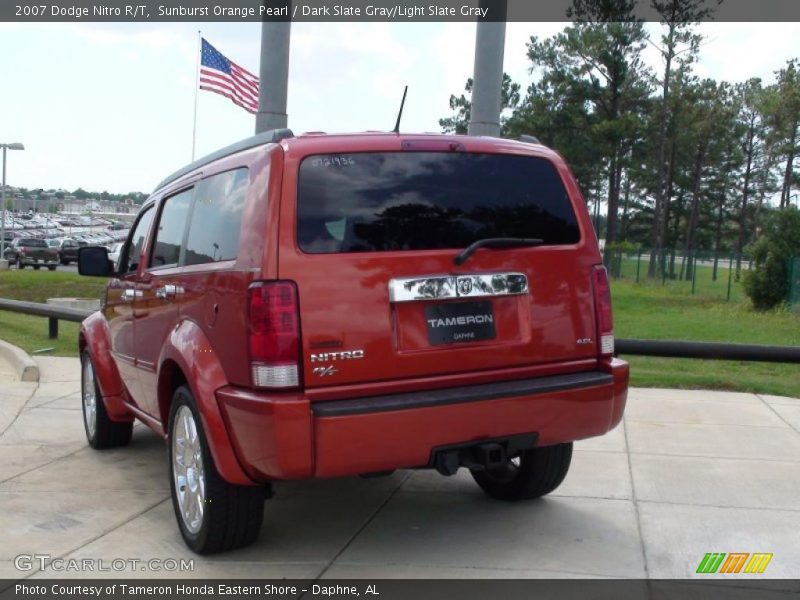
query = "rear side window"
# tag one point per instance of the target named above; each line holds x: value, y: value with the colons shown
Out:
x: 371, y: 202
x: 34, y: 243
x: 171, y: 227
x: 217, y: 218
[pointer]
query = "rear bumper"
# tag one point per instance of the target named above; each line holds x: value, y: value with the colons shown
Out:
x: 34, y: 261
x: 276, y: 437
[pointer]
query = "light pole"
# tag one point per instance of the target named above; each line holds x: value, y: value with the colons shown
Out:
x: 14, y: 146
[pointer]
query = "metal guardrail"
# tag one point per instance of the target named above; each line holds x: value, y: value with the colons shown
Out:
x: 709, y: 350
x: 53, y: 313
x: 666, y: 348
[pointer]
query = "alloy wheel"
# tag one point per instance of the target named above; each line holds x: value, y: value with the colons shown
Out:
x: 187, y: 470
x: 89, y: 398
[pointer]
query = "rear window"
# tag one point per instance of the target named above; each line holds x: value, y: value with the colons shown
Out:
x: 370, y: 202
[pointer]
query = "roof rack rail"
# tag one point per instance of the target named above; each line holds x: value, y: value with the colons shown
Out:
x: 529, y: 139
x: 271, y: 136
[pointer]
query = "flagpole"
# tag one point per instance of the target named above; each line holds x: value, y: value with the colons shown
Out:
x: 196, y: 88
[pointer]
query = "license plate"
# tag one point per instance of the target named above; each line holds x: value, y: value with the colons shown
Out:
x: 458, y: 322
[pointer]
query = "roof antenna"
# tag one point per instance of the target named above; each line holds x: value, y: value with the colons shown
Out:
x: 400, y: 114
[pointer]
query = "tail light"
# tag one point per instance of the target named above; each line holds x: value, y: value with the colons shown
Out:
x: 602, y: 309
x: 274, y: 334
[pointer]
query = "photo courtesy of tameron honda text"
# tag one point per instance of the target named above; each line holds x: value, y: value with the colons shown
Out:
x: 189, y: 590
x: 439, y: 262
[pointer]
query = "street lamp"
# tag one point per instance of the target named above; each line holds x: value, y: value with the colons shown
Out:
x: 15, y: 146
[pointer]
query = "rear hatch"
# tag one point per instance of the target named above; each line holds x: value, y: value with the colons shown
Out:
x: 370, y: 235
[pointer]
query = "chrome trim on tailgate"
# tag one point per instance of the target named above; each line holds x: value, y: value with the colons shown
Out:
x: 439, y: 287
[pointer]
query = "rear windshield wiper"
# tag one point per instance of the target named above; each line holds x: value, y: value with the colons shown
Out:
x: 462, y: 256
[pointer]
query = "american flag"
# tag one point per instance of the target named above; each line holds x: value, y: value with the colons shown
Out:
x: 223, y: 76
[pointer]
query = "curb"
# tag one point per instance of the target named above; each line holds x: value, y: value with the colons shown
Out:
x: 26, y: 369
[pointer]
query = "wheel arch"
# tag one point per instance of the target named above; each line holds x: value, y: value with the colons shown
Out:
x: 95, y: 337
x: 187, y: 357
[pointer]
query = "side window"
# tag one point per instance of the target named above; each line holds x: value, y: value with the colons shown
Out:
x: 166, y: 250
x: 217, y: 218
x: 129, y: 258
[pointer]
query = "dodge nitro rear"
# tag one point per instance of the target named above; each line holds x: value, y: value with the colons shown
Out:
x: 337, y: 305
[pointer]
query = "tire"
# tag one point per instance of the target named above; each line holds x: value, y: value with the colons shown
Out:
x: 51, y: 268
x: 213, y: 515
x: 533, y: 474
x: 36, y: 267
x: 101, y: 431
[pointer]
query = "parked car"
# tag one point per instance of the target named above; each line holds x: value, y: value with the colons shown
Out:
x: 104, y: 239
x: 32, y: 252
x: 334, y: 305
x: 68, y: 251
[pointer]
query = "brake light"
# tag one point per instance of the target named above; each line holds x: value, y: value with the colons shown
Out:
x: 274, y: 334
x: 432, y: 146
x: 602, y: 310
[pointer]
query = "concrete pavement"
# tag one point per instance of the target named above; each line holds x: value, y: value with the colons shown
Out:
x: 686, y: 473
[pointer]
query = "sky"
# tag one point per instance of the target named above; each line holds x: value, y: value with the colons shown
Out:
x: 109, y: 106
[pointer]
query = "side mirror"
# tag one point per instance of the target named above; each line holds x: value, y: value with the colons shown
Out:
x: 93, y: 260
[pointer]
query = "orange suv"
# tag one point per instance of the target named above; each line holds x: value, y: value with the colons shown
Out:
x: 333, y: 305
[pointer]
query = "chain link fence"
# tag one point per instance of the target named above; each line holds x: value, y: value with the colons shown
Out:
x: 711, y: 274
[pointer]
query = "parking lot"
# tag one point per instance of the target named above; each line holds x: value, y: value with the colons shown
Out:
x: 686, y: 473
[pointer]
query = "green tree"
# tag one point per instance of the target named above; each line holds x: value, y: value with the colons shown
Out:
x: 462, y: 104
x: 788, y: 86
x: 678, y: 43
x: 767, y: 284
x: 712, y: 129
x: 599, y: 57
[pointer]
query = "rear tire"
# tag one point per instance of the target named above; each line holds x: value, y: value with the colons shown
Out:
x: 532, y: 474
x: 101, y: 432
x: 213, y: 515
x: 52, y: 268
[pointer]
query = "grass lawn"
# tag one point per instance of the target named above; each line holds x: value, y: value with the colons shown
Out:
x: 30, y: 332
x: 38, y: 286
x: 644, y: 310
x: 650, y: 311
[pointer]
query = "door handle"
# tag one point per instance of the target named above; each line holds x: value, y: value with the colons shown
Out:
x: 128, y: 295
x: 169, y: 290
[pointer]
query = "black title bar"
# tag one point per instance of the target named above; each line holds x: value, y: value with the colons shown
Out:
x: 33, y: 11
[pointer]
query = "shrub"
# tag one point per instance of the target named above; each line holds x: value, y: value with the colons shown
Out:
x: 767, y: 284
